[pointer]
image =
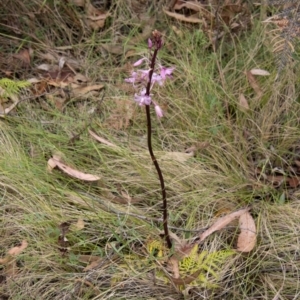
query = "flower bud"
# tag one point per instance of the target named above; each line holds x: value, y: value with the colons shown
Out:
x: 139, y: 62
x: 159, y: 112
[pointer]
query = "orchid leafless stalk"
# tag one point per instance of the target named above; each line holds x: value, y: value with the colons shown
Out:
x: 144, y: 80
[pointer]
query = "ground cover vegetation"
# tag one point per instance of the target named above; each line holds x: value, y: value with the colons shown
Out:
x: 83, y: 212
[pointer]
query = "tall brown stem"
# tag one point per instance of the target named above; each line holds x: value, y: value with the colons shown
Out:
x: 149, y: 132
x: 161, y: 179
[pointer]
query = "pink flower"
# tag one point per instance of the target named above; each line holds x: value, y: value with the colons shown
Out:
x: 150, y: 44
x: 133, y: 78
x: 159, y: 112
x: 142, y: 98
x: 166, y: 72
x: 139, y: 62
x: 157, y: 78
x: 143, y: 75
x: 138, y: 76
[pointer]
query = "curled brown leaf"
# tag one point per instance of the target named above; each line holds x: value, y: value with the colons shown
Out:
x: 52, y: 162
x: 243, y: 102
x: 247, y: 237
x: 221, y: 223
x: 18, y: 249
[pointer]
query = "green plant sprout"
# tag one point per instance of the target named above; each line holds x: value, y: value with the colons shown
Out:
x: 9, y: 87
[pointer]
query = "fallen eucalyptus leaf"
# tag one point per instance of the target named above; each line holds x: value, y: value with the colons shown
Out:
x: 221, y: 223
x: 254, y: 84
x: 259, y: 72
x: 18, y: 249
x: 247, y: 237
x: 183, y: 18
x: 80, y: 224
x: 72, y: 172
x: 79, y: 91
x: 243, y: 102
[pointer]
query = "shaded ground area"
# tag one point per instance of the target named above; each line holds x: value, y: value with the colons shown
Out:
x: 80, y: 200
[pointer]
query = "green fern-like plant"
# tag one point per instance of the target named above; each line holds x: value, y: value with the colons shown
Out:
x: 207, y: 265
x: 210, y: 265
x: 10, y: 87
